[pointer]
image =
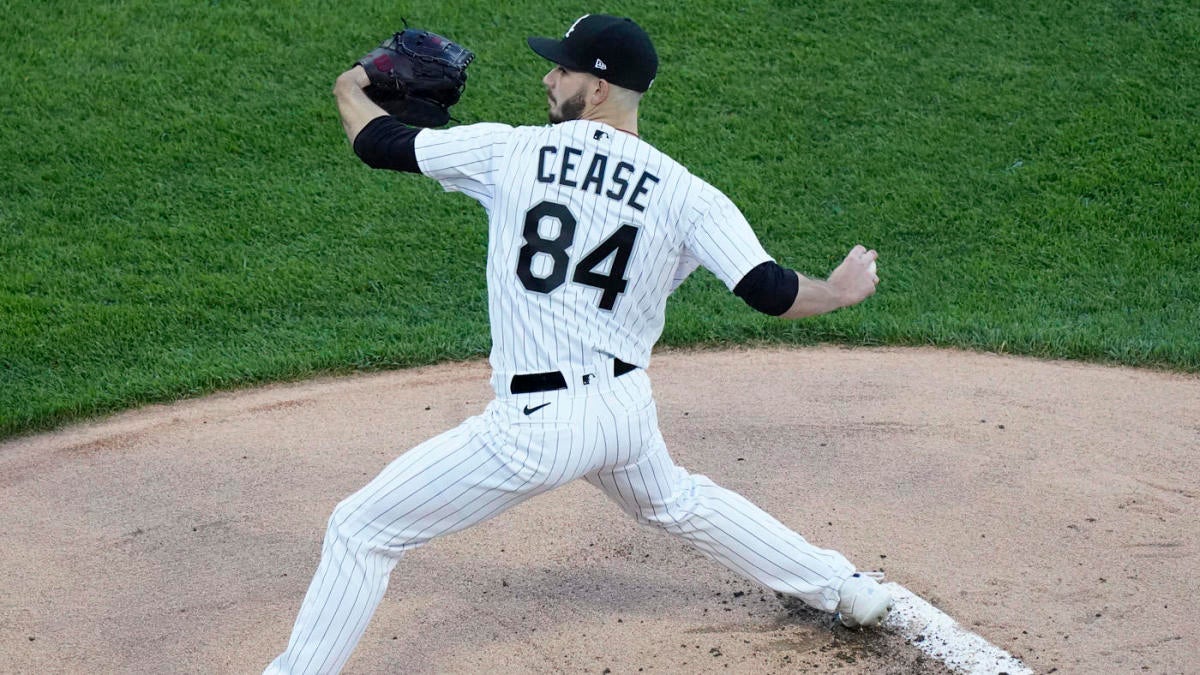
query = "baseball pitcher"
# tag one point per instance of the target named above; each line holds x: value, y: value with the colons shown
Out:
x: 590, y: 228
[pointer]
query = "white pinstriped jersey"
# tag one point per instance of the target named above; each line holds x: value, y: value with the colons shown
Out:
x: 590, y: 229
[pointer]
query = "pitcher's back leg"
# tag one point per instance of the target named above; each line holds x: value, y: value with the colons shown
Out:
x: 725, y: 526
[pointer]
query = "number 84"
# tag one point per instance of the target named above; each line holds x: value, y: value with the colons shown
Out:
x: 619, y: 244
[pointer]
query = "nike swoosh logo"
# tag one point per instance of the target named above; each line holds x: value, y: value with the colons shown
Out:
x: 530, y: 411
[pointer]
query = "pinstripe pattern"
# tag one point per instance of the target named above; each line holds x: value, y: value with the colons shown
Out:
x: 603, y: 428
x: 498, y: 165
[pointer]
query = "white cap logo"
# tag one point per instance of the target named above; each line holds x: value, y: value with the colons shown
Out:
x: 600, y: 65
x: 572, y: 28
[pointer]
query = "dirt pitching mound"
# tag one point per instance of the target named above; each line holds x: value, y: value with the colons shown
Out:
x: 1050, y: 507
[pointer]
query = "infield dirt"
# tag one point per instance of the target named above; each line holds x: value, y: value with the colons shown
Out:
x: 1053, y: 508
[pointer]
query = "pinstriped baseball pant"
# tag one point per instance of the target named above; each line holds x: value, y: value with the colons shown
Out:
x: 607, y: 434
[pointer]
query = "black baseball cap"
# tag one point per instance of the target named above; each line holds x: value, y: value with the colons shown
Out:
x: 612, y: 48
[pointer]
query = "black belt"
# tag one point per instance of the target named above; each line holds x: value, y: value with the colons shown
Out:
x: 533, y: 383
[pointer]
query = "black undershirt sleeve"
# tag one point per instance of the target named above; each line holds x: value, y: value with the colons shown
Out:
x: 769, y: 288
x: 387, y: 143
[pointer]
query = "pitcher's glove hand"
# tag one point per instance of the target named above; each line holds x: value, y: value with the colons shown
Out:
x: 416, y: 76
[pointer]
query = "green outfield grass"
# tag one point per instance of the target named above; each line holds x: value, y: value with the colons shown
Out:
x: 180, y: 213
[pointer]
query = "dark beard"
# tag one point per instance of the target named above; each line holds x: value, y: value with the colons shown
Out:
x: 572, y: 108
